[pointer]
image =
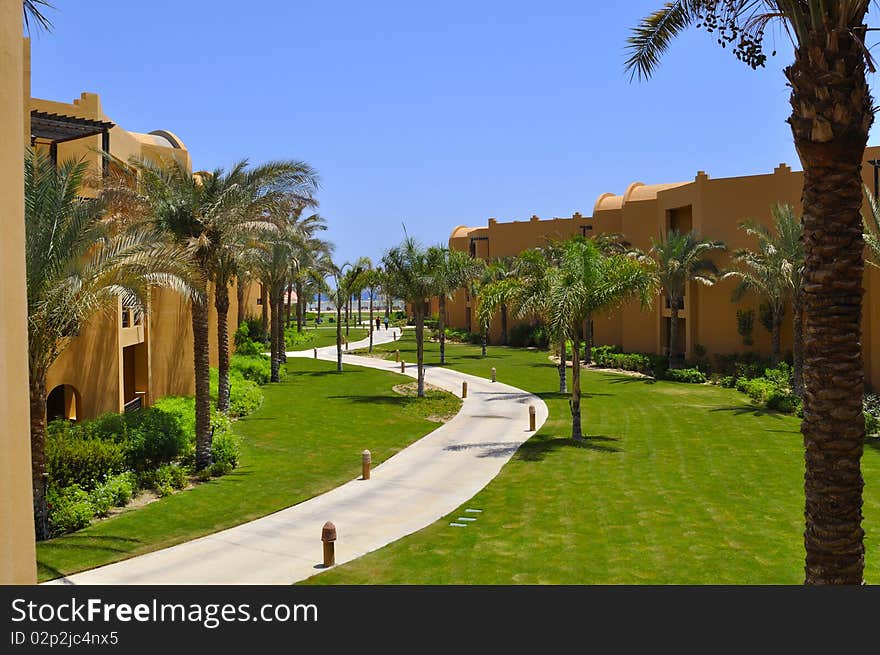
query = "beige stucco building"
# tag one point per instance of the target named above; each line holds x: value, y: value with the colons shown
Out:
x: 712, y: 207
x: 17, y: 556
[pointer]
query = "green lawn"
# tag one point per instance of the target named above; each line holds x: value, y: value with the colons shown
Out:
x: 326, y: 336
x: 306, y: 438
x: 677, y: 484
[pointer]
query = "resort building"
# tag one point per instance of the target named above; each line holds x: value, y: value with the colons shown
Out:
x: 17, y: 554
x: 712, y: 207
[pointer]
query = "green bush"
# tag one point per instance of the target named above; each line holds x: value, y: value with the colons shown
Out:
x: 74, y: 457
x: 166, y: 479
x: 525, y: 335
x: 871, y: 409
x: 153, y: 438
x: 120, y: 488
x: 463, y: 336
x: 688, y: 375
x: 773, y: 390
x: 225, y: 451
x: 257, y: 368
x: 69, y: 509
x: 245, y: 397
x: 728, y: 381
x: 251, y: 330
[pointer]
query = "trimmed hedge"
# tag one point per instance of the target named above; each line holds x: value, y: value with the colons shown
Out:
x: 688, y: 375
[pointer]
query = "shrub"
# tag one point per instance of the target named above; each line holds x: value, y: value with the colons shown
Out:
x: 463, y: 336
x: 69, y: 509
x: 153, y: 438
x: 225, y: 451
x: 255, y: 331
x: 871, y: 409
x: 166, y: 479
x: 245, y: 397
x: 688, y: 375
x: 121, y: 488
x: 728, y: 381
x: 257, y: 368
x: 524, y: 335
x: 73, y: 457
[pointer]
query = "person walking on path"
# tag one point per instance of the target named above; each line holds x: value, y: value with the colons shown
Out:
x: 378, y: 323
x: 386, y: 322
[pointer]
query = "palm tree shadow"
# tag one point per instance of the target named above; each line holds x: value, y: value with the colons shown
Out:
x: 621, y: 378
x: 537, y: 448
x: 873, y: 443
x: 742, y: 410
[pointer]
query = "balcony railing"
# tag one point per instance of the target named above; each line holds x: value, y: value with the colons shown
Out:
x: 134, y: 405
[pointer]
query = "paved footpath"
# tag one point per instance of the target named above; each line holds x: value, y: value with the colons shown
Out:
x: 406, y: 493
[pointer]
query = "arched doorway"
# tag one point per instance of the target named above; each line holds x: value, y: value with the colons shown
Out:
x: 63, y: 402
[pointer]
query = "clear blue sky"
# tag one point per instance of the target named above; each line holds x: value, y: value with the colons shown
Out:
x: 432, y: 114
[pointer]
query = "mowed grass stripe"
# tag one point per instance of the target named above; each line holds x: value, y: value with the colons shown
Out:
x: 307, y: 438
x: 678, y: 483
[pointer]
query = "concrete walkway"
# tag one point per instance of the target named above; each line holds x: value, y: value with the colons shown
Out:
x: 406, y: 493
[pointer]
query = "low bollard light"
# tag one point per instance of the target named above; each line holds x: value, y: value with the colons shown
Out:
x: 531, y: 418
x: 464, y: 389
x: 316, y: 353
x: 396, y: 355
x: 366, y: 461
x: 328, y: 537
x: 394, y: 335
x: 493, y: 374
x: 403, y: 367
x: 346, y: 345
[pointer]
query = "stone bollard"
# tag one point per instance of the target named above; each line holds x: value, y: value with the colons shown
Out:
x: 531, y: 418
x: 316, y: 353
x: 394, y: 335
x: 403, y: 367
x: 464, y: 390
x: 493, y: 374
x: 346, y: 345
x: 366, y: 461
x: 328, y: 537
x: 396, y: 355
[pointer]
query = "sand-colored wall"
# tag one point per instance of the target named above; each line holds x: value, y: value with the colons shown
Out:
x: 714, y: 208
x: 17, y: 556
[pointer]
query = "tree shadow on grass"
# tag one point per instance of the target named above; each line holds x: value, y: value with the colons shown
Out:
x: 623, y: 378
x: 742, y: 410
x: 873, y: 443
x: 536, y: 449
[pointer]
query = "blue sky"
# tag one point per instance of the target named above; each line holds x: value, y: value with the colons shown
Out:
x: 432, y: 114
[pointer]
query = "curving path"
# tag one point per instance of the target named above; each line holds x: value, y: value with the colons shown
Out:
x: 406, y: 493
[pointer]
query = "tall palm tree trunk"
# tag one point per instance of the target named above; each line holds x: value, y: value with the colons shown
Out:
x: 503, y: 325
x: 797, y: 344
x: 287, y: 309
x: 319, y: 307
x: 776, y: 340
x: 277, y: 336
x: 441, y: 326
x: 831, y: 117
x: 673, y: 333
x: 300, y: 306
x: 575, y: 402
x: 563, y: 383
x: 221, y: 304
x: 347, y: 313
x: 338, y: 338
x: 201, y: 363
x: 388, y: 306
x: 359, y: 310
x: 420, y: 347
x: 371, y: 321
x: 239, y: 296
x: 39, y: 475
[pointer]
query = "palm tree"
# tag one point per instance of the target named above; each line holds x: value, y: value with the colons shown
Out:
x: 536, y: 270
x: 80, y: 263
x: 453, y: 269
x: 587, y: 282
x: 33, y: 14
x: 773, y: 271
x: 681, y: 258
x: 372, y: 281
x: 409, y: 275
x: 497, y: 277
x: 832, y: 113
x: 211, y: 214
x: 346, y: 277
